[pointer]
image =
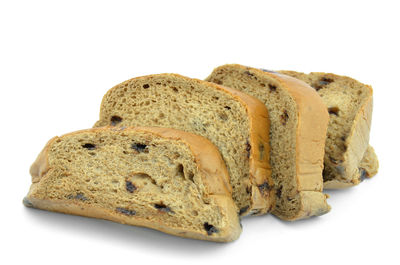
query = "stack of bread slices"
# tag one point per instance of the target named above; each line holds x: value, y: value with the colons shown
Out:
x: 191, y: 157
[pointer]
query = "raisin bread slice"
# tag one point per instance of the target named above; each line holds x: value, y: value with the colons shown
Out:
x: 299, y: 122
x: 349, y: 104
x: 235, y: 122
x: 164, y: 179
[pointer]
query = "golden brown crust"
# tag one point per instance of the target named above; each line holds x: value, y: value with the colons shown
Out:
x: 214, y: 174
x: 260, y: 169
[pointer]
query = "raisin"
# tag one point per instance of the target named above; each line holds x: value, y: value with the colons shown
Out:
x: 243, y: 210
x: 129, y: 186
x: 264, y: 187
x: 227, y: 107
x: 272, y: 88
x: 334, y: 111
x: 89, y: 146
x: 210, y: 229
x: 140, y: 147
x: 78, y: 196
x: 363, y: 174
x: 146, y: 86
x: 325, y: 81
x: 115, y: 120
x: 284, y: 117
x: 322, y: 82
x: 248, y: 148
x: 163, y: 208
x: 279, y: 192
x: 81, y: 196
x: 125, y: 211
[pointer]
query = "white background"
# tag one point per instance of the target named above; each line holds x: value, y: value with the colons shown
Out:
x: 58, y: 59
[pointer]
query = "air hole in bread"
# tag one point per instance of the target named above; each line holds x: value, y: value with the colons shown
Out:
x: 179, y: 171
x: 145, y: 86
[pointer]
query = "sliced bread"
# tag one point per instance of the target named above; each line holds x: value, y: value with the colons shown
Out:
x: 165, y: 179
x: 235, y: 122
x: 299, y: 121
x: 349, y: 103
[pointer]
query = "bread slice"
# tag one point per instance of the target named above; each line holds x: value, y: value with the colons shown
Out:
x: 235, y: 122
x: 349, y: 104
x: 298, y: 128
x: 164, y: 179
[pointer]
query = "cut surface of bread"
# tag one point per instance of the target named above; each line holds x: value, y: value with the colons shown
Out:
x: 235, y: 122
x: 349, y: 104
x: 298, y: 126
x: 165, y: 179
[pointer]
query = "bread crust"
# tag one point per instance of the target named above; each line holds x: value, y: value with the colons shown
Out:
x: 211, y: 167
x: 262, y: 200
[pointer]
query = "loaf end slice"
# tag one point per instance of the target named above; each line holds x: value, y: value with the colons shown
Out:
x: 298, y: 127
x: 233, y: 121
x: 348, y: 157
x: 164, y: 179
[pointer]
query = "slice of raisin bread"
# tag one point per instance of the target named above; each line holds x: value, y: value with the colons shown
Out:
x: 299, y: 122
x: 235, y: 122
x: 349, y: 104
x: 164, y: 179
